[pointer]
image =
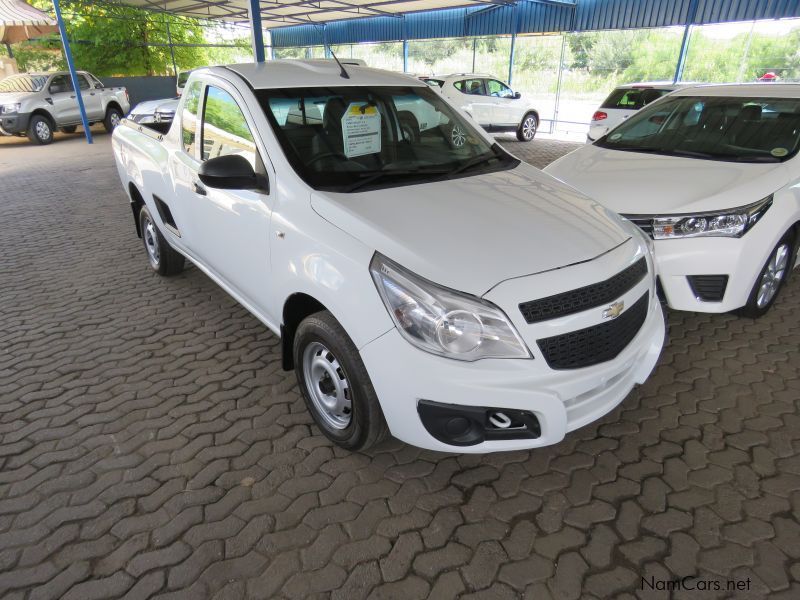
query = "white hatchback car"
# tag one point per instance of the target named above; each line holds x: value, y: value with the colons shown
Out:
x: 494, y: 105
x: 712, y: 174
x: 623, y: 102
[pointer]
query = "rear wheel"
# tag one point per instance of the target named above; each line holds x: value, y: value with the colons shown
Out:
x: 112, y: 119
x: 771, y: 279
x: 527, y: 129
x: 163, y: 258
x: 335, y: 384
x: 458, y: 136
x: 409, y: 126
x: 40, y: 130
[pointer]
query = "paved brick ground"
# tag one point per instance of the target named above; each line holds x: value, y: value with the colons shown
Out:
x: 150, y: 445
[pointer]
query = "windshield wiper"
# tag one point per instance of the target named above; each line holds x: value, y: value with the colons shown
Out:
x: 497, y: 154
x: 369, y: 178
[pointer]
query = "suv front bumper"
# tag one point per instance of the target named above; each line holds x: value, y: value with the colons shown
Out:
x: 14, y: 123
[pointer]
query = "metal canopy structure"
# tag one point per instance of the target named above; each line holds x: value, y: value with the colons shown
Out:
x: 282, y: 13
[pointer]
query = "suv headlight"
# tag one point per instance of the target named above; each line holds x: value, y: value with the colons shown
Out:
x: 443, y: 321
x: 730, y: 223
x: 8, y: 109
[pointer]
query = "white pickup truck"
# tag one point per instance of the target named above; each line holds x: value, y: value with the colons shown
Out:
x: 446, y: 293
x: 38, y: 104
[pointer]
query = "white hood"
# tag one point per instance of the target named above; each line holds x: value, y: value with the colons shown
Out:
x: 645, y: 184
x: 14, y: 97
x: 471, y: 233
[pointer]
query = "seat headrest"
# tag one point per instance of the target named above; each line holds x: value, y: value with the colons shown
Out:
x: 751, y: 112
x: 335, y: 108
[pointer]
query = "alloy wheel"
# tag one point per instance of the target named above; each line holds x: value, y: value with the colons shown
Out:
x: 458, y: 136
x: 529, y: 128
x: 43, y: 131
x: 773, y: 275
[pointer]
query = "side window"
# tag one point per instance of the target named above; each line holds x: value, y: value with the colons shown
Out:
x: 225, y: 129
x: 470, y: 86
x: 498, y: 89
x: 83, y: 82
x: 189, y: 117
x: 60, y: 83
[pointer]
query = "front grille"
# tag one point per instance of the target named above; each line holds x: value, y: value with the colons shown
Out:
x: 643, y: 223
x: 596, y: 344
x: 586, y: 297
x: 709, y: 288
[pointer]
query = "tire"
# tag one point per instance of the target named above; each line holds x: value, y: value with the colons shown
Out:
x: 112, y: 118
x: 771, y: 278
x: 409, y: 126
x: 70, y: 129
x: 527, y: 128
x: 162, y: 257
x: 40, y: 130
x: 329, y: 369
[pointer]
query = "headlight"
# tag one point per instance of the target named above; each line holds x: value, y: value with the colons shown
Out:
x: 442, y: 321
x: 7, y: 109
x: 731, y: 223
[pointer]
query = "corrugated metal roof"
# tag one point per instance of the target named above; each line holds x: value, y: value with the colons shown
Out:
x: 349, y: 21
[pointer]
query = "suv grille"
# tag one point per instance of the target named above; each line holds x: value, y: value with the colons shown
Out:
x: 595, y: 344
x: 584, y: 298
x: 643, y: 223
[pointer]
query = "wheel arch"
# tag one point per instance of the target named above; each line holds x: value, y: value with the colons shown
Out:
x: 531, y: 111
x: 297, y: 307
x: 43, y: 113
x: 114, y: 104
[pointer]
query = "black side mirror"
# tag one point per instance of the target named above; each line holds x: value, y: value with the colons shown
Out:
x: 56, y: 88
x: 231, y: 172
x: 517, y: 95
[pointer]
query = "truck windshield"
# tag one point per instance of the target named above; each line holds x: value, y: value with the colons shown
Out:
x: 352, y: 138
x: 748, y: 130
x: 23, y: 83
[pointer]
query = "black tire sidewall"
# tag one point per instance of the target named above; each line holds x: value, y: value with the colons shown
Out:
x: 107, y: 121
x: 33, y: 136
x: 322, y: 327
x: 520, y: 135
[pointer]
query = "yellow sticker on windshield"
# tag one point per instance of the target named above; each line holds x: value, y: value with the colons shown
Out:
x: 361, y: 129
x: 779, y: 152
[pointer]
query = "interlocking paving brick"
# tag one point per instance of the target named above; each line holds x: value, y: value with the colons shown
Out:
x: 151, y: 446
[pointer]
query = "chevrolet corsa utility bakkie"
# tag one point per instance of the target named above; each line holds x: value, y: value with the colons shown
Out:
x: 447, y: 294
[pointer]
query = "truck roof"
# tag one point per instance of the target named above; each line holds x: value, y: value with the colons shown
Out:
x: 288, y: 73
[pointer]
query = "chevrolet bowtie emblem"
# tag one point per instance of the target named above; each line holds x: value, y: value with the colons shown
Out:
x: 613, y: 311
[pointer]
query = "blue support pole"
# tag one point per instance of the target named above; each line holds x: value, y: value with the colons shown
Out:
x: 256, y: 34
x: 685, y: 43
x: 513, y: 43
x: 405, y: 56
x: 325, y: 41
x: 73, y: 75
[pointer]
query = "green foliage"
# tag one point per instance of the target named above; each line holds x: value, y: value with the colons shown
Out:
x: 116, y: 40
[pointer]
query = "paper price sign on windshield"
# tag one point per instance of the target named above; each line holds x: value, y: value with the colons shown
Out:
x: 361, y: 129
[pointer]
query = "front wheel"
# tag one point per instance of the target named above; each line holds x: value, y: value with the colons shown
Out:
x: 335, y: 384
x: 771, y: 279
x: 163, y: 258
x: 527, y: 129
x: 112, y: 119
x: 40, y: 130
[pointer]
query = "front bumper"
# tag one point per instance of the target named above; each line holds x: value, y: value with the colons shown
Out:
x: 14, y: 123
x: 561, y: 401
x: 740, y: 259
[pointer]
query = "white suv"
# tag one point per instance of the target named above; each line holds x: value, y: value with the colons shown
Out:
x: 494, y: 105
x: 623, y: 102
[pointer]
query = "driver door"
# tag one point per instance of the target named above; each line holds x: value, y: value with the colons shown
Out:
x: 228, y: 230
x: 506, y: 110
x: 65, y: 103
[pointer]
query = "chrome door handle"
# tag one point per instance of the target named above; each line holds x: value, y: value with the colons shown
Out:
x: 199, y: 188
